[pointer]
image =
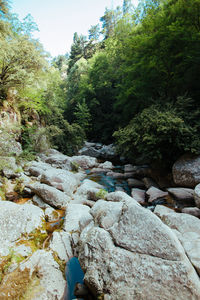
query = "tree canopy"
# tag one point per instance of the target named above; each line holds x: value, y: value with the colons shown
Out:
x: 134, y: 81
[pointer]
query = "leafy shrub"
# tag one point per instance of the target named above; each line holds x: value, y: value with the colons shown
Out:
x: 68, y: 138
x: 156, y: 134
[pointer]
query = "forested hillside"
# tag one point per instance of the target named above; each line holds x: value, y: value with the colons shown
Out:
x: 134, y: 80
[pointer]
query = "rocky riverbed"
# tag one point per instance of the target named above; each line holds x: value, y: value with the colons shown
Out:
x: 125, y: 250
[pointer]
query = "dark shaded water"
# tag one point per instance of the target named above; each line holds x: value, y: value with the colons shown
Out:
x: 73, y: 274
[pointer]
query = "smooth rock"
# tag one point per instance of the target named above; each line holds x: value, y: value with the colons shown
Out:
x: 89, y: 203
x: 187, y: 229
x: 39, y: 202
x: 131, y: 254
x: 16, y: 220
x: 161, y: 210
x: 50, y: 195
x: 155, y: 194
x: 9, y: 166
x: 51, y: 281
x: 62, y: 180
x: 99, y: 150
x: 99, y: 170
x: 106, y: 165
x: 138, y: 195
x: 129, y: 175
x: 9, y: 145
x: 84, y: 161
x: 186, y: 171
x: 89, y: 144
x: 137, y: 238
x: 182, y: 194
x: 108, y: 151
x: 194, y: 211
x: 85, y: 189
x: 116, y: 175
x: 118, y: 188
x: 120, y: 196
x: 59, y: 160
x: 91, y: 151
x: 74, y: 214
x: 61, y: 244
x: 138, y: 171
x: 135, y: 183
x: 197, y: 195
x: 38, y: 168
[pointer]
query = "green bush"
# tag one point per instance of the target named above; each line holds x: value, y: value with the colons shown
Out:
x: 156, y: 135
x: 67, y: 138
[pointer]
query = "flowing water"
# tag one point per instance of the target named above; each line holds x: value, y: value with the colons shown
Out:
x: 108, y: 182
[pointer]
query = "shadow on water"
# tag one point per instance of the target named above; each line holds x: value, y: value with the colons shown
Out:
x: 73, y: 274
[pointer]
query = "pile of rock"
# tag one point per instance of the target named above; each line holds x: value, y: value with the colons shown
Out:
x: 125, y: 250
x: 99, y: 150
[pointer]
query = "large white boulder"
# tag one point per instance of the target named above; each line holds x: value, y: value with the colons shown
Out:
x: 16, y: 220
x: 51, y: 281
x: 85, y: 190
x: 77, y: 216
x: 187, y: 229
x: 61, y: 244
x: 63, y: 180
x: 84, y: 161
x: 131, y: 254
x: 50, y: 195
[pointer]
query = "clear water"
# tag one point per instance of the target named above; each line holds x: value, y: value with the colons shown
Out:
x: 109, y: 183
x: 73, y: 274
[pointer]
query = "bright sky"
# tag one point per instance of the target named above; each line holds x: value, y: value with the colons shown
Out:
x: 58, y: 20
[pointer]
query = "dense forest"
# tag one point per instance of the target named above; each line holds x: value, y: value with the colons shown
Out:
x: 133, y: 81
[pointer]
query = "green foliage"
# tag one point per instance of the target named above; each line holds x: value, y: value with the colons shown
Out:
x: 68, y: 138
x: 100, y: 96
x: 3, y: 6
x: 7, y: 261
x: 82, y: 116
x: 27, y: 138
x: 101, y: 194
x: 20, y: 62
x: 75, y: 166
x: 143, y: 77
x: 2, y: 194
x: 156, y: 134
x: 77, y: 49
x: 94, y: 33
